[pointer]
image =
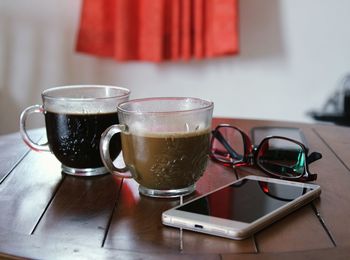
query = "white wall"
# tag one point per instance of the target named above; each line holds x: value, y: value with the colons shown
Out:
x: 293, y: 54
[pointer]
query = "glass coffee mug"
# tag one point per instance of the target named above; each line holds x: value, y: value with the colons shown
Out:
x: 165, y: 144
x: 75, y: 117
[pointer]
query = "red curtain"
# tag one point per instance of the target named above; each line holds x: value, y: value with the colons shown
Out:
x: 158, y: 30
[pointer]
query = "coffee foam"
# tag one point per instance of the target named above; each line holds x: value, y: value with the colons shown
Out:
x: 167, y: 123
x: 166, y: 133
x: 84, y: 99
x: 81, y: 108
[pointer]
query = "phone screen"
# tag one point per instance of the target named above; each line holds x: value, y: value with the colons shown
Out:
x: 245, y: 201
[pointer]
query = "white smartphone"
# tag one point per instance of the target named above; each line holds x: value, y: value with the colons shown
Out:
x: 241, y: 208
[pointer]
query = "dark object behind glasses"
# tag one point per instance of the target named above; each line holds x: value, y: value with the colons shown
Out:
x: 337, y: 107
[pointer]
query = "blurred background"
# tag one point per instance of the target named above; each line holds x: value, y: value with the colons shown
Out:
x: 292, y: 56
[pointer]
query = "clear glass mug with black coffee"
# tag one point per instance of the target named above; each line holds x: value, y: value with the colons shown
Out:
x: 165, y: 143
x: 75, y: 117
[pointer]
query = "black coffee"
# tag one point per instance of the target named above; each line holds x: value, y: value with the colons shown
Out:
x: 74, y: 138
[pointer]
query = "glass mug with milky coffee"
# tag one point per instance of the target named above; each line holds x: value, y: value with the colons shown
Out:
x: 165, y: 143
x: 75, y: 117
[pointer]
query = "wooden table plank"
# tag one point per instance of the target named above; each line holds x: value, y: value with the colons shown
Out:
x: 15, y: 246
x: 81, y: 210
x: 136, y: 223
x: 334, y: 179
x: 302, y: 226
x: 339, y: 143
x: 69, y: 216
x: 26, y: 192
x: 336, y: 253
x: 143, y: 216
x: 34, y: 247
x: 332, y: 188
x: 13, y: 151
x: 215, y: 176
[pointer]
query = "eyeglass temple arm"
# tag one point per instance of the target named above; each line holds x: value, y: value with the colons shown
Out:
x: 313, y: 157
x: 223, y: 141
x: 311, y: 177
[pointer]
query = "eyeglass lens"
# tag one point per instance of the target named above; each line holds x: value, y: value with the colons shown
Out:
x: 277, y: 156
x: 282, y: 157
x: 228, y: 146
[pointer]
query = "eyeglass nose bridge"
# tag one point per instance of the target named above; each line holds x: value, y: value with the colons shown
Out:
x: 251, y: 155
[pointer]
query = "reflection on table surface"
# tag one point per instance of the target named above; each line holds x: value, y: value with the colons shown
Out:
x: 47, y: 214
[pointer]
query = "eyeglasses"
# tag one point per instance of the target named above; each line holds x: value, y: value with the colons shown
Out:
x: 277, y: 156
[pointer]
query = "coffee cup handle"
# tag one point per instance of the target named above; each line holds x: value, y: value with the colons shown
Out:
x: 104, y: 151
x: 23, y: 130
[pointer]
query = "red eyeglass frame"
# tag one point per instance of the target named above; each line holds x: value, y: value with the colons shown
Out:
x: 251, y: 154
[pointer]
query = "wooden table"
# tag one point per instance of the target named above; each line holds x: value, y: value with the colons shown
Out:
x: 47, y: 214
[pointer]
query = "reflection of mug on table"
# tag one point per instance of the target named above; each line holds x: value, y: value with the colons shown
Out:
x: 75, y: 117
x: 165, y: 143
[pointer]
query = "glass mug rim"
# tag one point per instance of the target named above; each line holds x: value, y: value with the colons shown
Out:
x: 48, y: 94
x: 155, y: 173
x: 203, y: 105
x: 74, y: 103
